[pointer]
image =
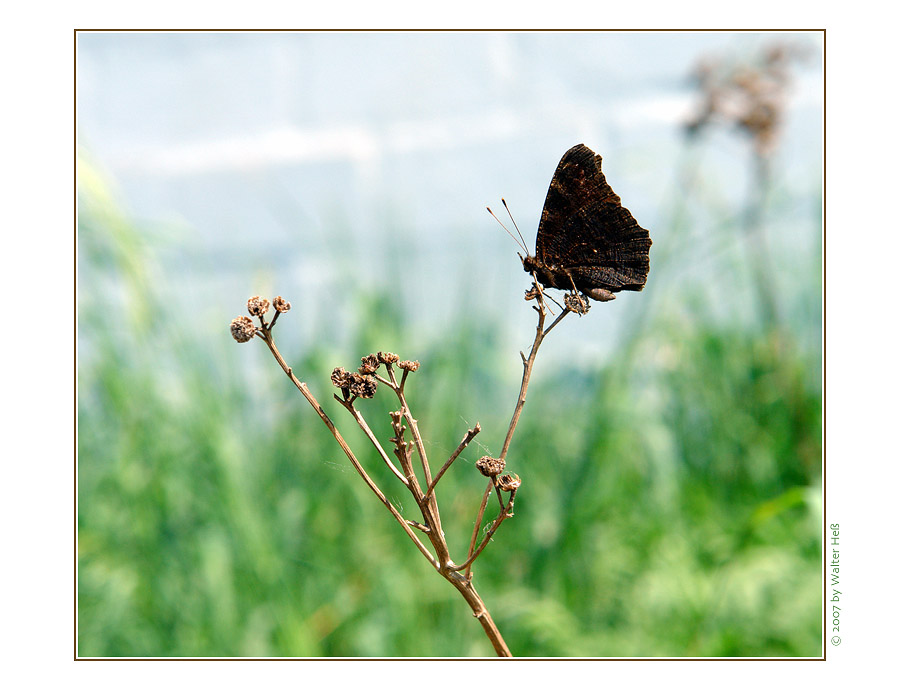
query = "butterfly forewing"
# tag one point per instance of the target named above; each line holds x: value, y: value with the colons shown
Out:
x: 586, y: 231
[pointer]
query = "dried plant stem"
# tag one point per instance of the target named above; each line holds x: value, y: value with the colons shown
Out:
x: 478, y: 519
x: 504, y: 513
x: 425, y: 500
x: 506, y: 510
x: 267, y: 337
x: 470, y: 435
x: 465, y: 587
x: 539, y: 336
x: 369, y: 434
x: 430, y: 503
x: 757, y: 245
x: 464, y: 582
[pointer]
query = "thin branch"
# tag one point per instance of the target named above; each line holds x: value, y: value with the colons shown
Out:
x: 427, y: 507
x: 402, y: 450
x: 539, y: 336
x: 470, y: 435
x: 465, y: 587
x: 505, y: 513
x: 413, y: 426
x: 374, y: 440
x: 387, y: 382
x: 419, y: 526
x: 431, y: 506
x: 497, y: 491
x: 478, y: 519
x: 403, y: 378
x: 553, y: 325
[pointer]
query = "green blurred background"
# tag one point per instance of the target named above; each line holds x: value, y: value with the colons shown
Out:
x: 670, y: 449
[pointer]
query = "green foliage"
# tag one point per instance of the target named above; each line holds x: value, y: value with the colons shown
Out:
x: 670, y: 502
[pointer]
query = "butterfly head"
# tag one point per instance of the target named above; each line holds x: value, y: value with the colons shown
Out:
x: 548, y: 275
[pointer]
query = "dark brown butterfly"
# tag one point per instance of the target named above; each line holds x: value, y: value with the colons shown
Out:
x: 587, y: 241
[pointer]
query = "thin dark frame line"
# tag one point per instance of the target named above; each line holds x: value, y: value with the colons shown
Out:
x: 528, y: 30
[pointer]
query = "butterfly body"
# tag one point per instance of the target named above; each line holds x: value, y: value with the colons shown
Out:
x: 587, y: 241
x: 551, y: 275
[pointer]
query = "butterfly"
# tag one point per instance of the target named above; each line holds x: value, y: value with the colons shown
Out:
x: 587, y: 241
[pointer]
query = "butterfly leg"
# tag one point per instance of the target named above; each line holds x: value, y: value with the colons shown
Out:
x: 577, y: 295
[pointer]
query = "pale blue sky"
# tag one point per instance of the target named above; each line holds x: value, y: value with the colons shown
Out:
x: 295, y: 160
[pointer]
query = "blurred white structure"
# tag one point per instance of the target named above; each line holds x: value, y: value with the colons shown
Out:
x: 296, y: 162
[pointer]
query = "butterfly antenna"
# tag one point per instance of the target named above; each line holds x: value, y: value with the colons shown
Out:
x: 506, y: 229
x: 521, y: 237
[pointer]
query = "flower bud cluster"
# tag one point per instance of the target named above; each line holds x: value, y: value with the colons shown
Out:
x: 490, y: 466
x: 577, y: 303
x: 363, y: 383
x: 242, y: 328
x: 509, y: 482
x: 257, y: 306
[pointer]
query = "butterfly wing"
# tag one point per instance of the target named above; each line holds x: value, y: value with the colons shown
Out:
x: 585, y: 229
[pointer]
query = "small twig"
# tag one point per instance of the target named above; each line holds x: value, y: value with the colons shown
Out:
x: 430, y: 504
x: 413, y: 424
x: 402, y: 452
x: 553, y: 325
x: 497, y: 491
x: 505, y: 513
x: 374, y: 440
x: 470, y: 435
x: 528, y: 363
x: 403, y: 378
x: 539, y: 336
x: 389, y: 383
x: 478, y: 519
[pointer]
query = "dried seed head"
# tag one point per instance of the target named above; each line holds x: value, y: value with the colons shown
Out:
x: 577, y: 303
x: 490, y: 466
x: 411, y: 365
x: 363, y: 386
x: 749, y: 97
x: 388, y: 358
x: 369, y: 364
x: 257, y: 306
x: 340, y: 377
x: 242, y: 329
x: 281, y: 305
x: 531, y: 293
x: 509, y: 482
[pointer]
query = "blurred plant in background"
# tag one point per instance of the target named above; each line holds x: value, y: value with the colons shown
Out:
x: 673, y: 499
x: 751, y: 97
